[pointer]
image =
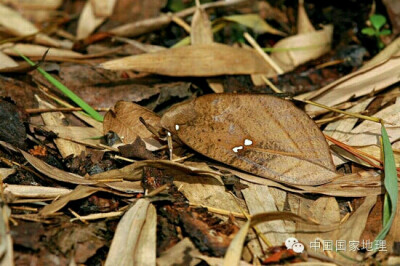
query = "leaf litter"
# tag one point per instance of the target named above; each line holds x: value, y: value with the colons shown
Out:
x: 218, y: 179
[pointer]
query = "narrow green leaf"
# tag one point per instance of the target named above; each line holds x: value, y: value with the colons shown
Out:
x: 377, y: 21
x: 391, y: 186
x: 75, y: 98
x: 385, y: 32
x: 368, y: 31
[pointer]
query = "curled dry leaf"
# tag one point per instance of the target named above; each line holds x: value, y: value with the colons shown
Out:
x: 304, y: 24
x: 199, y: 60
x: 124, y: 120
x: 302, y: 48
x: 260, y: 134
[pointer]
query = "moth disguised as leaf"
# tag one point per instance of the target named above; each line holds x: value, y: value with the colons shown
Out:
x: 260, y: 134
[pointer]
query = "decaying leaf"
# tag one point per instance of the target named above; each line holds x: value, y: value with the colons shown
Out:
x: 37, y: 50
x: 23, y: 191
x: 6, y: 61
x: 260, y: 134
x: 198, y: 60
x: 124, y: 120
x: 176, y: 255
x: 134, y: 240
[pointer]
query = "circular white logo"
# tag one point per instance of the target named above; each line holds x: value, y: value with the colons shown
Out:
x: 290, y: 241
x: 298, y: 247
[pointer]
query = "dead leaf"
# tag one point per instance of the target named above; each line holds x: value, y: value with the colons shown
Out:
x: 103, y: 8
x: 88, y: 21
x: 199, y: 60
x: 54, y: 172
x: 356, y: 84
x: 176, y: 255
x: 6, y: 61
x: 37, y: 50
x: 24, y: 191
x: 280, y: 142
x: 124, y: 120
x: 5, y: 172
x: 304, y: 24
x: 201, y: 32
x: 302, y: 48
x: 134, y: 242
x: 79, y: 192
x: 254, y: 22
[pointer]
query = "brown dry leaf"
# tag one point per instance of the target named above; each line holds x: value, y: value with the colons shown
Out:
x: 79, y: 192
x: 198, y: 60
x: 54, y: 172
x: 201, y: 32
x: 88, y: 21
x: 124, y: 120
x: 177, y: 255
x: 134, y: 242
x: 13, y: 22
x: 356, y: 84
x: 37, y: 51
x: 302, y: 48
x: 6, y: 61
x: 126, y: 186
x: 103, y: 8
x: 280, y: 142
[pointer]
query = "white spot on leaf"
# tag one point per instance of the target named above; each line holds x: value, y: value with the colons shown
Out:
x: 248, y: 142
x: 169, y: 133
x: 236, y: 149
x: 176, y: 127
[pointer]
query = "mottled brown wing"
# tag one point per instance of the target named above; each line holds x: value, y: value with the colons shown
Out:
x: 260, y: 134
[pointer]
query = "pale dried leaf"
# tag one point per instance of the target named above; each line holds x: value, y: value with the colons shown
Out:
x: 6, y: 61
x: 65, y: 147
x: 79, y: 192
x: 5, y: 172
x: 82, y: 135
x: 254, y: 22
x: 13, y: 22
x: 88, y: 21
x: 24, y: 191
x: 32, y: 50
x: 368, y: 132
x: 199, y: 60
x: 201, y: 32
x: 234, y: 252
x: 145, y: 252
x: 356, y: 84
x: 126, y: 238
x: 54, y: 172
x: 6, y: 244
x: 392, y: 49
x: 35, y: 4
x: 103, y: 8
x: 304, y: 24
x: 224, y: 127
x: 126, y: 186
x: 124, y: 120
x: 309, y: 46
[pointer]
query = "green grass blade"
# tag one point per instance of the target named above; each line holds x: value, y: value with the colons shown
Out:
x: 75, y: 98
x: 391, y: 186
